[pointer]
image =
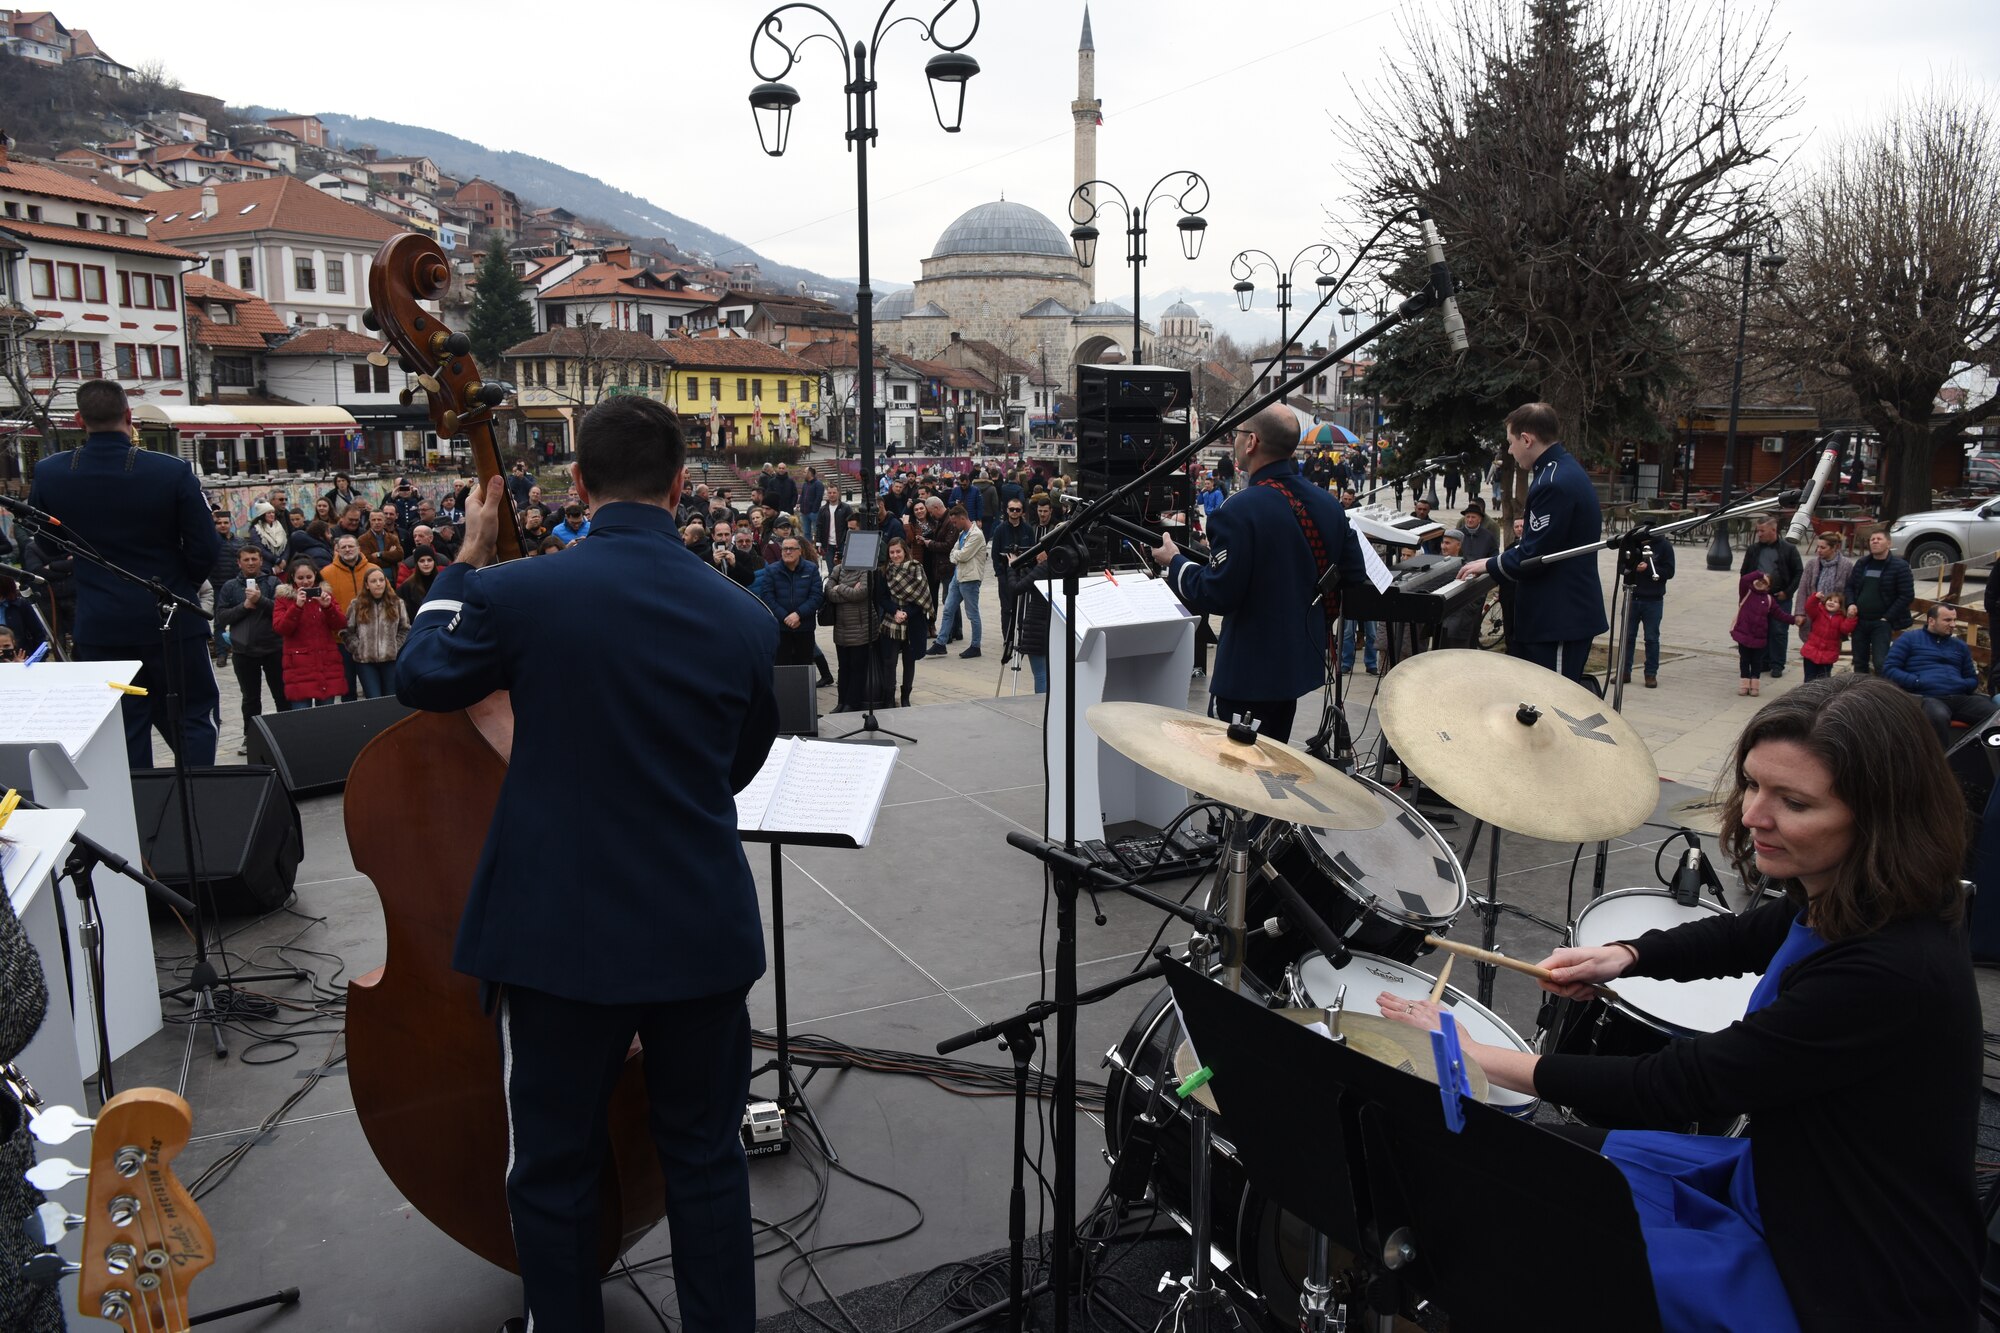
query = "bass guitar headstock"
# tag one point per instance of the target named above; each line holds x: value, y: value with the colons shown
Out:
x: 144, y: 1240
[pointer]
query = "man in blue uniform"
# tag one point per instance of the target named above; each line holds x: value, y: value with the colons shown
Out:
x: 1271, y: 541
x: 144, y: 512
x: 642, y: 918
x: 1559, y: 607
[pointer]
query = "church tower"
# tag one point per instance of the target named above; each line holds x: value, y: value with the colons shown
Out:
x: 1087, y: 112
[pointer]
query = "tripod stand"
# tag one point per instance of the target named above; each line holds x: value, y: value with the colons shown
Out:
x: 871, y: 552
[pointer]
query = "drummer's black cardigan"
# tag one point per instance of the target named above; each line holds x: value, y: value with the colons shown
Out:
x: 1861, y: 1079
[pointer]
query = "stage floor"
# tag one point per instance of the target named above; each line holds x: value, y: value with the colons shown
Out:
x: 936, y: 927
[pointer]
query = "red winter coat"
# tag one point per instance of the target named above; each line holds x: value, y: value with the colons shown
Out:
x: 1825, y: 632
x: 313, y: 669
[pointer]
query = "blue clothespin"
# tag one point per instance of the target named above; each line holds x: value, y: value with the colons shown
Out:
x: 41, y: 651
x: 1452, y: 1081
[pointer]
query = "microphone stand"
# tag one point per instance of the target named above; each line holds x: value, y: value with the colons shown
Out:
x: 1067, y: 549
x: 203, y: 981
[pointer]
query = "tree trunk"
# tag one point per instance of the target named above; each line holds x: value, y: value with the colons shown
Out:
x: 1906, y: 474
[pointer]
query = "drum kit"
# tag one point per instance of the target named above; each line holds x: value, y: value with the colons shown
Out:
x: 1333, y: 889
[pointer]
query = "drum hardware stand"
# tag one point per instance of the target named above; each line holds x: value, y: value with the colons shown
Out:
x: 1066, y: 548
x: 1489, y: 906
x: 1017, y: 1036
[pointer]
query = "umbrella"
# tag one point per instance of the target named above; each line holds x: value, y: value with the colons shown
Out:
x: 1324, y: 433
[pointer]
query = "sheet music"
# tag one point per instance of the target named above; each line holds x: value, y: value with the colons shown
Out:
x: 1133, y: 600
x: 68, y: 715
x: 818, y: 787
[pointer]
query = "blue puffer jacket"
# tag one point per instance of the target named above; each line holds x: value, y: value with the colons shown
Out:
x: 787, y: 590
x: 1931, y: 665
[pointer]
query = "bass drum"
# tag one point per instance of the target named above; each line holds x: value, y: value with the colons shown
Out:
x: 1267, y: 1247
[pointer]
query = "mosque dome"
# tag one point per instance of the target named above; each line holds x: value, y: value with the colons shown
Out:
x: 1105, y: 310
x: 1180, y: 310
x: 896, y: 304
x: 1002, y: 228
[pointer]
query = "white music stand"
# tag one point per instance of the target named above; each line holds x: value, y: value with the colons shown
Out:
x: 74, y: 762
x: 1135, y: 643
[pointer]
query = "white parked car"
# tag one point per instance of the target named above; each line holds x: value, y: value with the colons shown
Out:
x: 1946, y: 536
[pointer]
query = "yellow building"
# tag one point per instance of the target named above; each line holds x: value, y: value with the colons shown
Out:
x: 735, y: 392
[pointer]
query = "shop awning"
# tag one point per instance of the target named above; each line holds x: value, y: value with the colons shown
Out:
x: 219, y: 421
x: 544, y: 414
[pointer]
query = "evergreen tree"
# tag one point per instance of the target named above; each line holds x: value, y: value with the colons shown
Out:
x: 501, y: 313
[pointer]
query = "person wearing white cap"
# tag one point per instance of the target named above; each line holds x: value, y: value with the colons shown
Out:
x: 268, y: 531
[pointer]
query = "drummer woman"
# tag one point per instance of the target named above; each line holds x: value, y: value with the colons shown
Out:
x: 1851, y: 1203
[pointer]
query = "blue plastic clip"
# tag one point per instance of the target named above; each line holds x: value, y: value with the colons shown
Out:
x: 1452, y: 1081
x: 41, y: 651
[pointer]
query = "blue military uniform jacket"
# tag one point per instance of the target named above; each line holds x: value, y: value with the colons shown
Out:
x: 643, y: 701
x: 1262, y: 578
x: 1562, y: 602
x: 143, y: 511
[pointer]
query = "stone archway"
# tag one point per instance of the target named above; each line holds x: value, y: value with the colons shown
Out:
x: 1092, y: 349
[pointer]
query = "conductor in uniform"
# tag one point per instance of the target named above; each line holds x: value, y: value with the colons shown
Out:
x: 144, y: 512
x: 1270, y: 543
x: 642, y: 918
x: 1559, y: 607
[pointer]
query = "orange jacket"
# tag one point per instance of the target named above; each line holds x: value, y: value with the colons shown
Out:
x: 344, y: 583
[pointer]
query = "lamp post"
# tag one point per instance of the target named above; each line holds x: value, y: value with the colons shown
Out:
x: 1248, y: 262
x: 1192, y: 225
x: 771, y: 103
x: 1375, y: 302
x: 1720, y: 555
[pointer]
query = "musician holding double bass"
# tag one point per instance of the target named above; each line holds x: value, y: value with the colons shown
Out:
x: 1850, y: 1203
x: 639, y: 917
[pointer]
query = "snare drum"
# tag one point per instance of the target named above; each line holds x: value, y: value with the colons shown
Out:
x: 1314, y: 981
x: 1381, y: 889
x: 1648, y: 1013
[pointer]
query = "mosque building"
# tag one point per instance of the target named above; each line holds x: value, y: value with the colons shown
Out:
x: 1004, y: 273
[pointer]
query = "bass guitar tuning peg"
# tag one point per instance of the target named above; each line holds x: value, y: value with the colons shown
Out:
x: 52, y: 1173
x: 58, y: 1124
x: 49, y: 1223
x: 45, y: 1270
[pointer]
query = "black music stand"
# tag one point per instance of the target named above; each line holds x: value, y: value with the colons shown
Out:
x: 791, y: 1093
x: 1466, y: 1218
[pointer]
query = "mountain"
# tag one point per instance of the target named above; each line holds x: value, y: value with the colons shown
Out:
x: 546, y: 183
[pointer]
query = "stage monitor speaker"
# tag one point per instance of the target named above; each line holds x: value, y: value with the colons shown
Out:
x: 246, y: 829
x: 312, y: 748
x: 1131, y: 393
x: 1975, y: 762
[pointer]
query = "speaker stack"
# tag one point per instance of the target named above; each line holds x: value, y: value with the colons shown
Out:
x: 1128, y: 418
x: 312, y: 748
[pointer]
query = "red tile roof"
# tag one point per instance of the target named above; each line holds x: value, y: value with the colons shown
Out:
x: 952, y: 377
x: 598, y: 344
x: 326, y: 342
x: 106, y: 178
x: 733, y: 354
x: 253, y: 322
x: 601, y: 281
x: 283, y: 203
x: 94, y: 240
x: 182, y: 151
x: 47, y: 180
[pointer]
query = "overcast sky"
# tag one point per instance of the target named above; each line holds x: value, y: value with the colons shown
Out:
x: 651, y: 97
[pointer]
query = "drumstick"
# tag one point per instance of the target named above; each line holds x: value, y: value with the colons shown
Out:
x: 1444, y: 975
x: 1495, y: 959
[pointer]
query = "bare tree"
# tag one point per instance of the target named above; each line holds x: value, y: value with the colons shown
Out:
x: 1894, y: 284
x: 27, y: 418
x: 1584, y: 159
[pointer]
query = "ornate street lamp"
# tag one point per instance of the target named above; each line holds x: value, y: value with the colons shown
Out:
x: 1084, y: 208
x: 1720, y: 555
x: 1246, y: 264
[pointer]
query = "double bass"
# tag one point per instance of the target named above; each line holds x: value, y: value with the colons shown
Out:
x: 423, y: 1057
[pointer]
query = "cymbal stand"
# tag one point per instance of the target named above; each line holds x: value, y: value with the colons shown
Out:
x: 1490, y: 907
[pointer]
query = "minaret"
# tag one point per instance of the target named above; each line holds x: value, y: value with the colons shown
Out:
x: 1087, y: 111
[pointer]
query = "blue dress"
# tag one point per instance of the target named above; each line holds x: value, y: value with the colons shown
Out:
x: 1697, y: 1201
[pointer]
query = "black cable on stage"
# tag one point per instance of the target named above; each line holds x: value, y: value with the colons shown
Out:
x: 219, y: 1170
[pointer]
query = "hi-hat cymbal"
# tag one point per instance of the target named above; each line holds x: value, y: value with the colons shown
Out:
x: 1383, y: 1040
x: 1518, y: 746
x: 1261, y: 776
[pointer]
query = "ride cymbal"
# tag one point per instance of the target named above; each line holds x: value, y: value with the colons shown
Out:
x: 1518, y: 746
x: 1263, y: 777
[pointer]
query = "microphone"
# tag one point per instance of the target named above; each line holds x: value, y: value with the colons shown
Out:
x: 1688, y: 878
x: 22, y: 575
x: 1454, y: 323
x: 21, y: 509
x: 1802, y: 520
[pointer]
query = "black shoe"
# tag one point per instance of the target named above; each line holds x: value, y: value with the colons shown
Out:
x: 906, y: 696
x: 935, y: 650
x: 825, y: 680
x: 970, y: 652
x: 1374, y: 671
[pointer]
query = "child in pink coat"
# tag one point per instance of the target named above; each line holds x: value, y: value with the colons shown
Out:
x: 1752, y: 630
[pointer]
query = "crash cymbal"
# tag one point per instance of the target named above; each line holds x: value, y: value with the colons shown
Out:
x: 1518, y: 746
x: 1383, y: 1040
x: 1263, y: 777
